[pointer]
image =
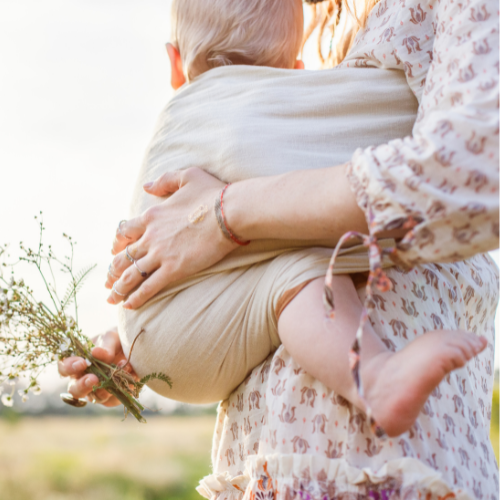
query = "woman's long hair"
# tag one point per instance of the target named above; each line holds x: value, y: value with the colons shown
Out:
x: 340, y: 20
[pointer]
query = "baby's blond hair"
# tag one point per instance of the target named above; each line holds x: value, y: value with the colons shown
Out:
x: 211, y: 33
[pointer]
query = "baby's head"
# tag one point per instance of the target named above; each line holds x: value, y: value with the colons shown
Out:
x: 211, y: 33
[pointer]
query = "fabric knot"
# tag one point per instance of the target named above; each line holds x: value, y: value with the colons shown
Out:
x: 378, y: 278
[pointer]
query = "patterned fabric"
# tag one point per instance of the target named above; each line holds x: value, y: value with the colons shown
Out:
x: 283, y: 435
x: 280, y: 410
x: 376, y: 278
x: 443, y: 180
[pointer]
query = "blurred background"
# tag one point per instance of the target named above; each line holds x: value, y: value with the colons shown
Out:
x: 81, y: 85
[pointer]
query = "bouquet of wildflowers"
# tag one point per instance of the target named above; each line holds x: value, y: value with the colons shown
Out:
x: 34, y: 334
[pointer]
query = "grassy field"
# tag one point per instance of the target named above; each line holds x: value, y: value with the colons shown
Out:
x: 102, y: 458
x: 60, y: 458
x: 494, y: 434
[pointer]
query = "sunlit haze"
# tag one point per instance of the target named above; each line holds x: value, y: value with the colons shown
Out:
x: 81, y: 85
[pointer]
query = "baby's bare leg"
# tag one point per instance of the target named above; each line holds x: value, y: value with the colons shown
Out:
x: 320, y: 345
x: 396, y: 385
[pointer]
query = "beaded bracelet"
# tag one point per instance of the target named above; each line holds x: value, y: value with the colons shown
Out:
x: 221, y: 219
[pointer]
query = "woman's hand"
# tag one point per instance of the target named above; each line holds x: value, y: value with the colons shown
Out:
x: 181, y: 237
x: 108, y: 349
x: 169, y: 242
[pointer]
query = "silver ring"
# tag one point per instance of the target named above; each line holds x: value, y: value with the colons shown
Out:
x: 144, y: 274
x: 111, y: 274
x: 69, y: 399
x: 94, y: 399
x: 129, y: 257
x: 119, y: 229
x: 116, y: 291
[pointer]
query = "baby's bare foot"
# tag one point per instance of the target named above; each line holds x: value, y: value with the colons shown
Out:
x: 397, y: 384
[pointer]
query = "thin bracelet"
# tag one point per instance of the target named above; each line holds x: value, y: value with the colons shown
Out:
x: 221, y: 219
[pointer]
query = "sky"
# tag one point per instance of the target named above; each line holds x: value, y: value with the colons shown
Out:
x: 81, y: 85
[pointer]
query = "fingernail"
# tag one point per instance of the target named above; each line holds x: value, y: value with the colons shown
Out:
x: 88, y: 383
x: 78, y: 365
x: 122, y: 363
x: 111, y: 300
x: 127, y: 305
x: 148, y: 185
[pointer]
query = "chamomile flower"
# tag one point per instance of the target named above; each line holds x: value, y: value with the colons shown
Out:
x: 24, y: 395
x: 65, y: 345
x: 33, y: 334
x: 7, y: 400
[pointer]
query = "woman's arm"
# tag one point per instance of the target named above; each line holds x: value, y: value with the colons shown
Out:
x: 166, y: 244
x: 444, y: 178
x: 442, y: 181
x: 438, y: 187
x: 309, y: 204
x: 312, y: 204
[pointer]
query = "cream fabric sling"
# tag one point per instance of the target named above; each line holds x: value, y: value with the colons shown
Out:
x: 209, y: 331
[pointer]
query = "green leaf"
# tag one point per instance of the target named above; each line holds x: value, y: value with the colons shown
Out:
x: 75, y: 286
x: 154, y: 376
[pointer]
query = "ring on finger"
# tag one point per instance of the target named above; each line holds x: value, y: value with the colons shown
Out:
x: 69, y: 399
x: 96, y: 399
x: 93, y: 398
x: 111, y: 273
x: 129, y: 257
x: 119, y: 229
x: 144, y: 274
x: 116, y: 291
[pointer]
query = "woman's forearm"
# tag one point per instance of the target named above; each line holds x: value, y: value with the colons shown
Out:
x: 308, y: 204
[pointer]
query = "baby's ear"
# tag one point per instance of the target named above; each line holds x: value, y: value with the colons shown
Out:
x: 299, y: 64
x: 177, y: 78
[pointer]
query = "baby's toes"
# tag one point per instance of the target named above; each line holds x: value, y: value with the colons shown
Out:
x: 480, y: 344
x: 470, y: 344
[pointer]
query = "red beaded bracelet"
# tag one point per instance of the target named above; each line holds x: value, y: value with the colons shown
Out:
x: 221, y: 219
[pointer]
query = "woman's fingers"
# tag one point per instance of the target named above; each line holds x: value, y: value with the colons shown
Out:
x: 108, y: 348
x: 83, y: 386
x: 164, y: 185
x: 131, y: 279
x: 99, y: 396
x: 148, y: 289
x: 122, y: 262
x: 73, y: 366
x: 127, y: 232
x: 117, y: 267
x: 111, y: 402
x: 175, y: 237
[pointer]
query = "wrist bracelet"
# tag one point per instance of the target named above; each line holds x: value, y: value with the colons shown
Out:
x: 221, y: 219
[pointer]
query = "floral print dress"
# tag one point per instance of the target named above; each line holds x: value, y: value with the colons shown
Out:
x: 282, y: 435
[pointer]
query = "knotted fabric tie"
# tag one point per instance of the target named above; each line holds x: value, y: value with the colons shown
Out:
x: 377, y: 278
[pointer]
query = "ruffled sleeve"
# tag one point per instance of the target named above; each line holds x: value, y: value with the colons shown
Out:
x: 442, y: 182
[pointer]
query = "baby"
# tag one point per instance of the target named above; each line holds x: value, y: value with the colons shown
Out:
x: 239, y: 113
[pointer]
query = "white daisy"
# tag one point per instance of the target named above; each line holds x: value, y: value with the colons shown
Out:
x: 7, y: 400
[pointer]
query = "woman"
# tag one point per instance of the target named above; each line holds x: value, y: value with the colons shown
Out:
x: 281, y: 434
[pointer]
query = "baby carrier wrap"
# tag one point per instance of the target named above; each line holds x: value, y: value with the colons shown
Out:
x: 209, y: 331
